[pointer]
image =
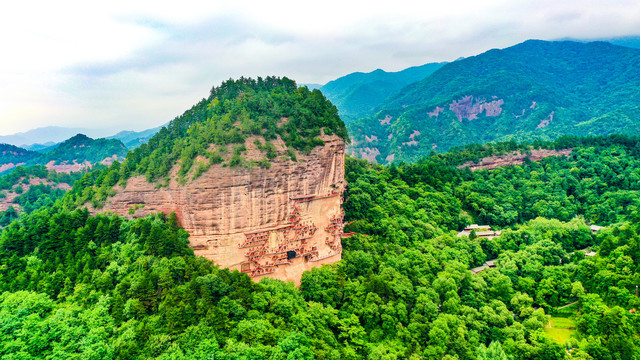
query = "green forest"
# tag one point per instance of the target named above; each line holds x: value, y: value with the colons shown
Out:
x: 216, y: 128
x: 77, y: 149
x: 81, y: 286
x: 539, y: 89
x: 45, y: 193
x: 357, y: 94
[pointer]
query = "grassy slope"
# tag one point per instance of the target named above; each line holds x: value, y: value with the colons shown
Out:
x: 560, y: 329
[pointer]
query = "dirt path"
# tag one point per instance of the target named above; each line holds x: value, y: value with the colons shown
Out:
x: 562, y: 307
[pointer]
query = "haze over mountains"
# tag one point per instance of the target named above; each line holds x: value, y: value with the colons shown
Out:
x: 48, y: 135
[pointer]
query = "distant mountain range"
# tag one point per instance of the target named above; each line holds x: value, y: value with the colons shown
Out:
x: 133, y: 139
x: 357, y: 94
x: 46, y: 138
x: 536, y: 89
x: 74, y: 154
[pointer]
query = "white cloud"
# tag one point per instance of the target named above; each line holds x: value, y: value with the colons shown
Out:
x: 137, y: 64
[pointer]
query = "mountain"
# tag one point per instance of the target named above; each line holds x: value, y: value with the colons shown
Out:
x: 533, y: 90
x: 101, y: 286
x: 254, y: 172
x: 358, y: 93
x: 627, y: 41
x: 133, y: 139
x: 46, y: 134
x: 40, y: 147
x: 76, y: 153
x: 32, y: 140
x: 83, y: 149
x: 311, y: 86
x: 11, y: 155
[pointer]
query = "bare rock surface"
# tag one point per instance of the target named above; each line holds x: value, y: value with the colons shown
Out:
x: 111, y: 159
x: 514, y: 158
x: 435, y: 112
x: 372, y: 138
x: 8, y: 166
x: 275, y: 222
x: 67, y: 168
x: 470, y: 109
x: 386, y: 121
x: 370, y: 154
x: 544, y: 123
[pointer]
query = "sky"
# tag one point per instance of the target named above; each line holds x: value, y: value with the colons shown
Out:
x: 132, y: 65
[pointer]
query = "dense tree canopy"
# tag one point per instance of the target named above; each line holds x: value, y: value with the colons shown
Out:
x: 75, y: 285
x: 269, y: 108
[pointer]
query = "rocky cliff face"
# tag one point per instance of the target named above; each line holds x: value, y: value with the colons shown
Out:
x: 514, y: 158
x: 275, y: 222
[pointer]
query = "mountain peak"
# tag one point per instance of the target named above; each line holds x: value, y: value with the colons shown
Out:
x: 356, y: 94
x: 257, y: 165
x: 535, y: 89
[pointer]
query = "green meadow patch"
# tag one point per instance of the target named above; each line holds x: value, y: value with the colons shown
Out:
x: 560, y: 329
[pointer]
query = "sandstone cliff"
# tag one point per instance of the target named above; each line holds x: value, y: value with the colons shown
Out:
x: 276, y: 222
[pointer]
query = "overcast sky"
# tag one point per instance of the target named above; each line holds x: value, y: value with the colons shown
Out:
x: 132, y: 65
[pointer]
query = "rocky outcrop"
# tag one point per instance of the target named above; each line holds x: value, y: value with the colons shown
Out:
x: 470, y: 109
x: 68, y: 168
x: 514, y: 158
x: 370, y: 154
x: 111, y: 159
x: 435, y: 112
x: 546, y: 121
x: 275, y: 222
x: 5, y: 167
x: 386, y: 121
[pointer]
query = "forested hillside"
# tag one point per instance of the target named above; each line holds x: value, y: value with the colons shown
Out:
x: 81, y: 148
x: 74, y: 154
x: 536, y: 89
x: 269, y: 111
x: 357, y: 94
x: 10, y: 154
x: 100, y: 287
x: 27, y: 189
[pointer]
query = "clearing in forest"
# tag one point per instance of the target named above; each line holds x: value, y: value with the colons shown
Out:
x: 560, y: 329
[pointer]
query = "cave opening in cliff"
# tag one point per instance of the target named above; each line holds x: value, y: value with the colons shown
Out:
x: 291, y: 254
